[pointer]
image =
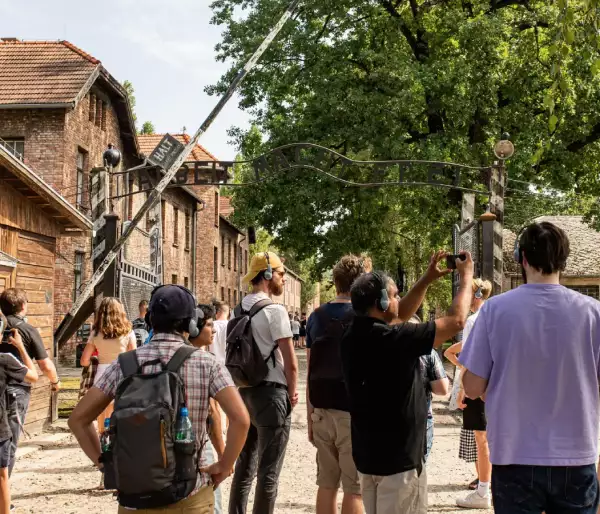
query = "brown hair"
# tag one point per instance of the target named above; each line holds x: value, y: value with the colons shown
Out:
x: 12, y: 301
x: 546, y: 247
x: 111, y: 319
x: 348, y: 269
x: 485, y: 285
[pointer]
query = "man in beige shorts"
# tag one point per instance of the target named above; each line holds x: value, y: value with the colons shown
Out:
x: 327, y: 401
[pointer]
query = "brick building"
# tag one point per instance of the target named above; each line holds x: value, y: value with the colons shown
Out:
x: 291, y: 293
x: 34, y: 218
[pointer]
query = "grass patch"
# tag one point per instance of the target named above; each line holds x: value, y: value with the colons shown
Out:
x: 70, y: 382
x: 65, y: 407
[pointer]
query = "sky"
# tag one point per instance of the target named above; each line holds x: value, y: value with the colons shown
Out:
x: 164, y: 48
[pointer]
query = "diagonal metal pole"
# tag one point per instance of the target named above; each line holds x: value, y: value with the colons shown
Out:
x: 172, y: 170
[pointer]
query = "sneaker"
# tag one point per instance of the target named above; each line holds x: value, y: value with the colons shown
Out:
x: 12, y: 507
x: 474, y: 501
x: 473, y: 485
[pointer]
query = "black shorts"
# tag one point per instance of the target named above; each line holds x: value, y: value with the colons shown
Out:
x: 6, y: 453
x: 474, y: 415
x: 296, y: 337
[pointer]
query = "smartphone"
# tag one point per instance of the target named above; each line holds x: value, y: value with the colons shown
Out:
x: 5, y: 335
x: 451, y: 260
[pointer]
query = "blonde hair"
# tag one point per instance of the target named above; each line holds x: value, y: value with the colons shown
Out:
x: 485, y: 285
x: 111, y: 319
x: 348, y: 269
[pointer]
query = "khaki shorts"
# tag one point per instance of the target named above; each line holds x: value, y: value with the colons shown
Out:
x: 402, y: 493
x: 331, y: 434
x: 203, y: 502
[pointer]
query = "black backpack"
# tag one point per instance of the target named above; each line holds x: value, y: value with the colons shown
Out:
x: 327, y: 389
x: 145, y: 464
x: 243, y: 358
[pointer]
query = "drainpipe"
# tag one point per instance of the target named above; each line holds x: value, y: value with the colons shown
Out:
x: 193, y: 242
x: 240, y: 264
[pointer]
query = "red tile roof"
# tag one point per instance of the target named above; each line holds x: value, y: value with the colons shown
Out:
x: 42, y: 72
x: 148, y: 142
x: 225, y: 207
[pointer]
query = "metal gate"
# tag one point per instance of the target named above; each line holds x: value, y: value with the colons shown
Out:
x: 135, y: 285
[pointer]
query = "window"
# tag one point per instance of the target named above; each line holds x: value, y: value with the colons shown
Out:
x: 98, y: 119
x: 92, y: 109
x: 78, y: 270
x: 229, y: 253
x: 188, y: 229
x: 15, y: 145
x: 186, y: 282
x: 173, y: 279
x: 229, y: 296
x: 216, y: 264
x: 593, y: 291
x: 216, y: 209
x: 175, y: 226
x: 234, y: 297
x: 222, y: 250
x: 235, y: 257
x: 81, y: 158
x: 103, y: 119
x: 222, y: 294
x: 163, y: 217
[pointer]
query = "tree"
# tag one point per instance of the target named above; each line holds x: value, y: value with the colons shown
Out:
x: 130, y: 92
x: 147, y: 128
x: 419, y: 79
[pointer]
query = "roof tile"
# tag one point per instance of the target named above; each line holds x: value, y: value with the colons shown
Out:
x: 149, y: 142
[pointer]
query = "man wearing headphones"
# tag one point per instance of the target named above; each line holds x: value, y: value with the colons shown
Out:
x: 534, y: 353
x: 174, y: 318
x: 271, y: 402
x: 381, y: 369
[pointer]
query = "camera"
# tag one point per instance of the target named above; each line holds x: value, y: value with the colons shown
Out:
x: 451, y: 260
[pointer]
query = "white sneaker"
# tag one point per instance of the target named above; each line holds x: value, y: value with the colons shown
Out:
x: 475, y: 501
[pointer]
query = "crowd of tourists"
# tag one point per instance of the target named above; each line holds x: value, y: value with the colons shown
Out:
x: 189, y: 393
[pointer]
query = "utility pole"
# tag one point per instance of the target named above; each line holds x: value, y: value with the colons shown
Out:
x: 169, y: 155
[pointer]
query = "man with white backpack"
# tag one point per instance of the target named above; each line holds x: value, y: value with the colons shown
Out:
x: 261, y: 359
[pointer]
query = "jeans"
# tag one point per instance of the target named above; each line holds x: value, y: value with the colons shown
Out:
x: 18, y: 403
x: 262, y: 456
x: 549, y: 489
x: 211, y: 459
x: 429, y: 438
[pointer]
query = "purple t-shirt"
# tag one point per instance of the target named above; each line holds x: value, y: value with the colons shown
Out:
x: 539, y: 348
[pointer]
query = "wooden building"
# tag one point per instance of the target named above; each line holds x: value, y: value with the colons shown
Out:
x: 33, y: 217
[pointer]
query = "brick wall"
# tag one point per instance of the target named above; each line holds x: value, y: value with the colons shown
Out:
x: 291, y: 294
x: 228, y: 287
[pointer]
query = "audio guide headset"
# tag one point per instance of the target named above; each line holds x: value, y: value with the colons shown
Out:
x: 479, y: 293
x: 268, y: 274
x: 383, y: 300
x: 193, y: 329
x: 517, y: 251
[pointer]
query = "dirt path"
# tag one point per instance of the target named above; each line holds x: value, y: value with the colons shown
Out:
x: 61, y: 480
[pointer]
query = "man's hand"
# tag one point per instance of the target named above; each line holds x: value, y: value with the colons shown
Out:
x: 16, y: 340
x: 56, y: 387
x: 311, y: 439
x: 434, y: 271
x: 460, y: 400
x: 465, y: 267
x: 218, y: 473
x: 294, y: 399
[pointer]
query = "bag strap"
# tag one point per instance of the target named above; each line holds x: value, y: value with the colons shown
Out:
x: 179, y: 357
x: 259, y: 306
x: 129, y: 363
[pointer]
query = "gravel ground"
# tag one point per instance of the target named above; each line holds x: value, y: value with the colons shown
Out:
x: 61, y: 480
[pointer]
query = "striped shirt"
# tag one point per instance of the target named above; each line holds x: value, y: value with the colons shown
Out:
x: 202, y: 376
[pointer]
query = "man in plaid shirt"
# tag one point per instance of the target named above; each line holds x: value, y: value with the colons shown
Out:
x: 171, y: 308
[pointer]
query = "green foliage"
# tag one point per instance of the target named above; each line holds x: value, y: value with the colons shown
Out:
x: 421, y: 79
x: 147, y: 128
x: 130, y: 92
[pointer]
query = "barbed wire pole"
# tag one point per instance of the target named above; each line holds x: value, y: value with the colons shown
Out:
x: 170, y: 173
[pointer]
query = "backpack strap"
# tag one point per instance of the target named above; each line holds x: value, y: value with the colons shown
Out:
x: 259, y: 306
x: 179, y: 357
x: 129, y: 363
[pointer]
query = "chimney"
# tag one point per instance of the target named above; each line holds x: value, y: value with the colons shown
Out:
x: 9, y: 39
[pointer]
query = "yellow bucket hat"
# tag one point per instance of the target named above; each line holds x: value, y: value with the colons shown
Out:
x: 261, y: 262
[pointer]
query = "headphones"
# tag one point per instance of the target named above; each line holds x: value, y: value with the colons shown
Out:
x: 383, y: 301
x: 517, y: 250
x: 193, y: 329
x: 268, y: 274
x: 479, y: 293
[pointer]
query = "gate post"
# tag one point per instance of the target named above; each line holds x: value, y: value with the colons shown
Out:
x: 109, y: 287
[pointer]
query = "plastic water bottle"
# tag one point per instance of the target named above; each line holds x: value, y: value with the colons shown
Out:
x: 183, y: 430
x: 105, y: 437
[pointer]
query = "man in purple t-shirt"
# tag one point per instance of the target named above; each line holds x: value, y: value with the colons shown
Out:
x: 533, y: 355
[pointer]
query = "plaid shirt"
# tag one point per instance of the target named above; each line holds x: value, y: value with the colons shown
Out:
x: 432, y: 369
x: 202, y: 375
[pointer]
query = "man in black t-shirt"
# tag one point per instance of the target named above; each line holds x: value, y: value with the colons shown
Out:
x: 382, y: 374
x: 13, y: 303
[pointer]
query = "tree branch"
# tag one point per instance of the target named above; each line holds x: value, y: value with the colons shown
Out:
x: 592, y: 137
x: 410, y: 38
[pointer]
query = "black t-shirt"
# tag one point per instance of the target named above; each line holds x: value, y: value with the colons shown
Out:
x: 34, y: 346
x: 387, y: 398
x: 11, y: 370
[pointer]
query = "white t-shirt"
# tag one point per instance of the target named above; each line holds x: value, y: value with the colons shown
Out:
x: 295, y: 327
x: 219, y: 340
x: 469, y: 324
x: 269, y: 325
